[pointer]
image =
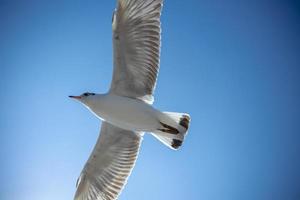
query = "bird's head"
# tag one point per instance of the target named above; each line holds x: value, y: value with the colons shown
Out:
x: 84, y: 98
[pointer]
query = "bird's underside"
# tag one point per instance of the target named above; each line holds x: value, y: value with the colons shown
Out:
x: 136, y: 50
x: 136, y: 44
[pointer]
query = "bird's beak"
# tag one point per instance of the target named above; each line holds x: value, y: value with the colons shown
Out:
x: 75, y: 97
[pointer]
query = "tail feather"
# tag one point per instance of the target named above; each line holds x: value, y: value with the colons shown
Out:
x: 174, y: 129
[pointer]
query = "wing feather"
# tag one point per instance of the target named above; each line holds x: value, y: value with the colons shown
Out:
x: 136, y: 38
x: 109, y: 165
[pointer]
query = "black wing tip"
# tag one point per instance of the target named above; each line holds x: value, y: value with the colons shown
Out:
x: 176, y: 143
x: 185, y: 121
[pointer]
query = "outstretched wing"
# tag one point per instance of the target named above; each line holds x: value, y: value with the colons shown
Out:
x: 136, y: 39
x: 109, y: 165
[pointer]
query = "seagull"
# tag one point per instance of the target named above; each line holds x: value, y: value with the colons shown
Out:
x: 126, y: 109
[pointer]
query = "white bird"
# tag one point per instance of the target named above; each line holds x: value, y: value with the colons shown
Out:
x: 126, y: 110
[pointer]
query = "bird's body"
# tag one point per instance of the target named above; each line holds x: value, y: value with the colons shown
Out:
x: 127, y: 113
x: 126, y: 110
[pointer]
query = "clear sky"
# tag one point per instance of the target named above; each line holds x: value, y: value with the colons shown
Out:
x: 234, y: 66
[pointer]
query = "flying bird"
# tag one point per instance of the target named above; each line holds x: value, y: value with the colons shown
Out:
x: 126, y: 109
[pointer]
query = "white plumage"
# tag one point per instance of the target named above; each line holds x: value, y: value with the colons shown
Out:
x: 126, y: 110
x: 136, y: 38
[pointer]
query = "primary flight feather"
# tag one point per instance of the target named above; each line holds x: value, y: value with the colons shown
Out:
x: 126, y: 110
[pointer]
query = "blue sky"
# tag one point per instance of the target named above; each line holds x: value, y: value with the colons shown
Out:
x: 233, y: 66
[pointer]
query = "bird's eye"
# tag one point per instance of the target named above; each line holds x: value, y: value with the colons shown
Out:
x: 88, y: 94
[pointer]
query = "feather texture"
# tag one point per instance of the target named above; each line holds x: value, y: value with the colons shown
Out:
x: 106, y: 171
x: 136, y: 38
x: 136, y: 44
